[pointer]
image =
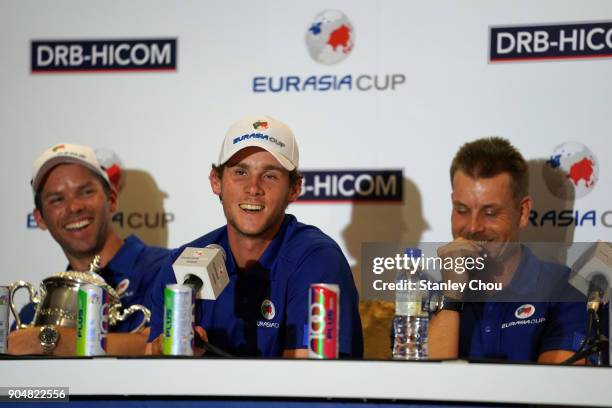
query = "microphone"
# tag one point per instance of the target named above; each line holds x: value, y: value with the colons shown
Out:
x: 597, y: 292
x: 203, y: 269
x: 194, y: 281
x: 591, y: 274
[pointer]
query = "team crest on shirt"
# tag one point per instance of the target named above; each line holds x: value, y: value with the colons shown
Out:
x: 122, y: 287
x: 524, y: 311
x: 268, y: 311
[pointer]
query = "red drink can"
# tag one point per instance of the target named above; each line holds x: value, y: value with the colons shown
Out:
x: 323, y: 320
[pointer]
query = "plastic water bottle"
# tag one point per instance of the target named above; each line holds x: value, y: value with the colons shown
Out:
x: 411, y: 314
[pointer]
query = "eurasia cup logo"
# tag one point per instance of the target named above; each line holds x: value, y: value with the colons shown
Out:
x: 268, y: 311
x: 572, y: 171
x: 330, y: 37
x: 524, y: 311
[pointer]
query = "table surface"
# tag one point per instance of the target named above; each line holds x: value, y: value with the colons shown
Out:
x: 426, y: 381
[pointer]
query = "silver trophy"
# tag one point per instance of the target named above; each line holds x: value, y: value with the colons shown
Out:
x: 56, y: 300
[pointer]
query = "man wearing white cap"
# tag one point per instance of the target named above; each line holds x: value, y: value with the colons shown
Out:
x: 75, y: 201
x: 272, y: 259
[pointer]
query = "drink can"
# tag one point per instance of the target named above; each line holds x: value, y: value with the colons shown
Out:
x: 92, y: 321
x: 323, y: 320
x: 179, y: 305
x: 4, y: 318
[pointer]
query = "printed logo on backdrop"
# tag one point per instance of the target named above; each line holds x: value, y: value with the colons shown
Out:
x: 330, y: 39
x: 570, y: 173
x: 352, y: 186
x: 133, y: 220
x: 103, y: 55
x: 550, y: 42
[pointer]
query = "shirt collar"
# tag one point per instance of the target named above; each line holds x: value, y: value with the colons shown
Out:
x: 270, y: 254
x: 127, y: 255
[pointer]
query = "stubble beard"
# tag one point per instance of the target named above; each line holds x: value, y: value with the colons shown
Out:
x: 271, y: 223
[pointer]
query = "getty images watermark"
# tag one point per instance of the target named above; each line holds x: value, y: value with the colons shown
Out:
x: 480, y: 271
x: 458, y: 265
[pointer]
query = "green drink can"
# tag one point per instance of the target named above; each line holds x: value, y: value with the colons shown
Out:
x: 92, y: 321
x: 4, y: 318
x: 179, y: 305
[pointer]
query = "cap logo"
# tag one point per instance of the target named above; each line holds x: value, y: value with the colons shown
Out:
x: 260, y: 124
x: 524, y: 311
x: 58, y: 147
x: 268, y: 311
x: 258, y: 136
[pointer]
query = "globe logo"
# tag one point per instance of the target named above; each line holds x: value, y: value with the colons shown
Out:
x: 572, y: 171
x: 110, y: 161
x: 330, y: 37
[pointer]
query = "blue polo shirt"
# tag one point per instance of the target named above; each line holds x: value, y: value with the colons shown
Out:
x: 544, y: 319
x: 135, y: 267
x: 239, y: 321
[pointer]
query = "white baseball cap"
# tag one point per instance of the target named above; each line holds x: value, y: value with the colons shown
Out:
x: 265, y: 132
x: 61, y: 154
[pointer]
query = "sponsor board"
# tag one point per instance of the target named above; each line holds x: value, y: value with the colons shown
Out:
x: 352, y: 186
x: 550, y: 41
x: 56, y: 56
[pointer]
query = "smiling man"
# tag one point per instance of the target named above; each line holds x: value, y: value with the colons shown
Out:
x: 75, y: 201
x: 536, y: 317
x: 272, y: 259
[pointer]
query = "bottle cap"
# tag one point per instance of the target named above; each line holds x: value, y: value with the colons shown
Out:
x: 413, y: 252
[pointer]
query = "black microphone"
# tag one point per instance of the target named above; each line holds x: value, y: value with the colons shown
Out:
x: 592, y: 272
x: 597, y: 290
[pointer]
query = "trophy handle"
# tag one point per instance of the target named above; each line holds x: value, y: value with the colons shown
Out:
x: 119, y: 317
x: 14, y: 287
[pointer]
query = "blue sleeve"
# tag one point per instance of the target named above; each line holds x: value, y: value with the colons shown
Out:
x: 156, y: 295
x: 565, y: 327
x: 323, y: 265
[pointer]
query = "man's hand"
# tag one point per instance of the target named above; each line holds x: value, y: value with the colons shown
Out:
x: 25, y: 342
x: 155, y: 347
x: 444, y: 335
x: 444, y: 325
x: 558, y: 357
x: 459, y: 248
x: 295, y: 353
